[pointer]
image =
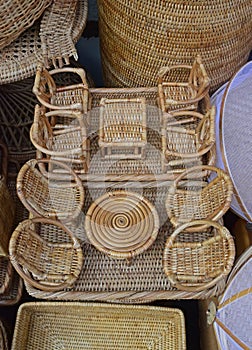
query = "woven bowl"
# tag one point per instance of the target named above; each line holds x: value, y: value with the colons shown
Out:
x: 45, y: 254
x: 194, y: 261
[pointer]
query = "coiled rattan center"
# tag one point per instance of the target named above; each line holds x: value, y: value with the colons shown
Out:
x: 122, y: 224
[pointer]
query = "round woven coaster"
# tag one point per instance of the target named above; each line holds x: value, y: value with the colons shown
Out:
x: 122, y: 224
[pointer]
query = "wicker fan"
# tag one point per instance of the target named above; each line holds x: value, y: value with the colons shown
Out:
x: 232, y: 320
x: 233, y: 137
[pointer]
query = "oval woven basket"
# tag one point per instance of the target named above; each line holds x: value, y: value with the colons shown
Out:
x: 194, y: 260
x: 45, y: 254
x: 122, y: 224
x: 137, y: 38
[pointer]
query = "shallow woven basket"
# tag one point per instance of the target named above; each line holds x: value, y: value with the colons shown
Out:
x: 195, y: 260
x: 139, y: 37
x: 7, y: 205
x: 44, y: 195
x: 98, y: 326
x: 189, y: 199
x: 122, y: 224
x: 3, y: 337
x: 46, y: 254
x: 18, y: 15
x: 19, y: 60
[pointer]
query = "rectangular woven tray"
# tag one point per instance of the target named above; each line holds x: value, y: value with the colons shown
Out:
x: 106, y: 279
x: 49, y: 325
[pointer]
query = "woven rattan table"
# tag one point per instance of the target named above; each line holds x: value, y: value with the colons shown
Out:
x: 102, y: 277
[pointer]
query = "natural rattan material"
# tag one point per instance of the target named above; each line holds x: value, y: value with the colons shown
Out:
x: 186, y: 137
x: 3, y: 337
x: 122, y: 131
x: 19, y: 60
x: 183, y: 90
x: 190, y: 199
x: 122, y: 224
x: 49, y: 261
x: 98, y: 326
x: 6, y: 273
x: 7, y: 206
x: 44, y: 196
x: 61, y: 135
x: 70, y: 97
x: 137, y: 38
x: 18, y: 15
x: 56, y: 32
x: 195, y: 261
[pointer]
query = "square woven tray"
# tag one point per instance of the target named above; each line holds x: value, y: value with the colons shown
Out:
x: 79, y: 326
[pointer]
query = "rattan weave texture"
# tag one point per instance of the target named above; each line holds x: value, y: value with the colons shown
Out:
x: 3, y: 337
x: 19, y: 60
x: 18, y: 15
x: 98, y: 326
x: 138, y: 38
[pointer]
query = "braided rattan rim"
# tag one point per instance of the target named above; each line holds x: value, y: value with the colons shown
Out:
x: 24, y: 273
x: 222, y: 230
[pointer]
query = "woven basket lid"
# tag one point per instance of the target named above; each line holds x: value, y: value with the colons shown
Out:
x: 19, y: 60
x: 233, y: 137
x: 234, y: 312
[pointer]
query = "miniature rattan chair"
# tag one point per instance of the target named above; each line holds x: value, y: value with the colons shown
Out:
x: 122, y: 131
x: 45, y: 254
x: 44, y: 194
x: 192, y: 197
x: 61, y: 135
x: 54, y: 97
x: 122, y: 224
x: 186, y: 137
x: 194, y: 261
x: 183, y: 86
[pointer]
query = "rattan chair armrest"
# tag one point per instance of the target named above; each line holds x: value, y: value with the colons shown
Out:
x: 78, y: 71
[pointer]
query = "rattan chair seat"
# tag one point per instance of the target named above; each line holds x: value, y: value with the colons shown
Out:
x: 194, y: 260
x: 19, y: 60
x: 190, y: 199
x: 44, y: 195
x: 46, y: 254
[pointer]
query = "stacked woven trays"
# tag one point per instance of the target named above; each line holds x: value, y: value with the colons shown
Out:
x: 132, y: 206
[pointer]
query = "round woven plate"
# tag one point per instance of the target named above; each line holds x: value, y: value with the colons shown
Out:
x: 122, y: 224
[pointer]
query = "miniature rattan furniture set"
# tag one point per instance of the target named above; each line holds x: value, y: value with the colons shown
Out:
x: 46, y: 254
x: 107, y: 183
x: 195, y: 260
x: 123, y: 128
x: 61, y: 135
